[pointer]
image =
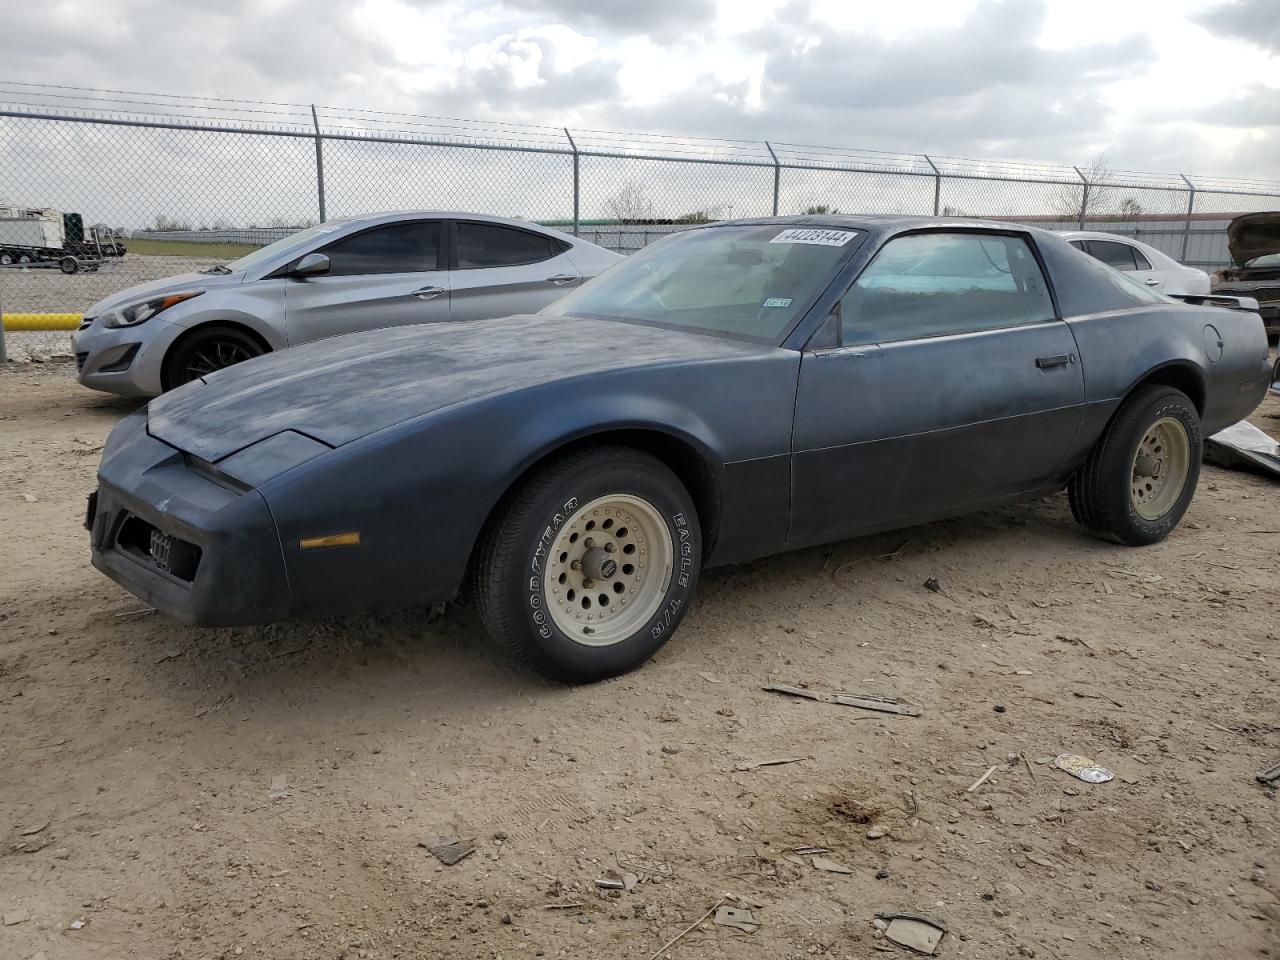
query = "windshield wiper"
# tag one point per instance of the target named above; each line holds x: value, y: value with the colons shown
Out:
x: 216, y: 268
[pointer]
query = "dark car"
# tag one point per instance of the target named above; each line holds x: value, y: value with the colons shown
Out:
x: 733, y: 391
x: 1254, y: 242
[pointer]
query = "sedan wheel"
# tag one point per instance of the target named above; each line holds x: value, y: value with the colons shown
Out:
x: 591, y: 565
x: 207, y: 350
x: 1140, y: 476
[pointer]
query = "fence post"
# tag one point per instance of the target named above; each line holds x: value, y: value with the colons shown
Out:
x: 315, y: 122
x: 1186, y: 224
x: 1084, y: 197
x: 937, y: 184
x: 777, y: 176
x: 577, y: 222
x: 4, y: 356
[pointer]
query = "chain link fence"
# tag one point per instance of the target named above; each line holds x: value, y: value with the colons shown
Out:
x: 102, y: 190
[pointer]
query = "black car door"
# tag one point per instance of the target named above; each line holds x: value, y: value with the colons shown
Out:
x: 953, y: 384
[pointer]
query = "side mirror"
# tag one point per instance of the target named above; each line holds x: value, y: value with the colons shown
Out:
x: 311, y: 265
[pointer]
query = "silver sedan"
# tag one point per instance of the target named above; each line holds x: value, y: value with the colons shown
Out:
x: 339, y: 277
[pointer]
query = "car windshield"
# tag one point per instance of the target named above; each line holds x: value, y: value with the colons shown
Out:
x: 1268, y: 260
x: 264, y: 255
x: 747, y: 281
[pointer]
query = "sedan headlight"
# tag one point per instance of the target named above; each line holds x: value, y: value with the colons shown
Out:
x: 132, y: 314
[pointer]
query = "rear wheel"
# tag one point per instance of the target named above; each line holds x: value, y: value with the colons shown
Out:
x: 207, y: 350
x: 6, y: 258
x: 590, y: 567
x: 68, y: 265
x: 1139, y: 479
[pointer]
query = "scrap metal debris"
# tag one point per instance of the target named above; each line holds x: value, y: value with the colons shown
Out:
x: 1269, y: 776
x: 738, y: 918
x: 864, y: 701
x: 1082, y: 768
x: 913, y: 931
x: 756, y: 765
x: 448, y: 850
x: 1242, y: 445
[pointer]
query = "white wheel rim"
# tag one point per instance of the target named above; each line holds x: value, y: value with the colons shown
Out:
x: 598, y: 603
x: 1160, y: 467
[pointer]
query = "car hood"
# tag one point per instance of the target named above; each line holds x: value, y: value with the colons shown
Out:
x: 343, y: 388
x: 1253, y: 235
x: 181, y: 281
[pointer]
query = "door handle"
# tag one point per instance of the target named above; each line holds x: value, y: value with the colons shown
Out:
x: 428, y: 293
x: 560, y: 279
x: 1058, y: 360
x: 1152, y: 282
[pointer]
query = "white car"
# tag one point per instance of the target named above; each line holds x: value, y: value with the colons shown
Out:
x: 1141, y: 261
x: 385, y: 270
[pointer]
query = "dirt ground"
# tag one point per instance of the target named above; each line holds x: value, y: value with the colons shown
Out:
x: 262, y: 793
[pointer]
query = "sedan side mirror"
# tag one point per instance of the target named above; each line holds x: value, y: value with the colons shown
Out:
x: 310, y: 265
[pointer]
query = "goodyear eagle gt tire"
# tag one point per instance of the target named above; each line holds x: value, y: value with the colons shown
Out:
x: 588, y: 568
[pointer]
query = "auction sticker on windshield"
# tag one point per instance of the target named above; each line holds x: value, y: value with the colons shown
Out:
x: 825, y: 238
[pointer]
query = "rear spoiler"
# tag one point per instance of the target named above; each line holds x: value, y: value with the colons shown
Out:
x: 1217, y: 300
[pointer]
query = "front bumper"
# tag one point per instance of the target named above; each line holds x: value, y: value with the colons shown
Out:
x: 201, y: 551
x: 126, y: 361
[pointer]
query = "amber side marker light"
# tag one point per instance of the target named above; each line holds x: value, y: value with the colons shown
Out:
x: 333, y: 540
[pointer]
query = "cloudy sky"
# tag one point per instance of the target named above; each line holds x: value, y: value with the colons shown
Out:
x: 1158, y: 84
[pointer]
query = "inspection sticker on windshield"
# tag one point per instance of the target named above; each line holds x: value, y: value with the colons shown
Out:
x: 825, y: 238
x: 777, y: 302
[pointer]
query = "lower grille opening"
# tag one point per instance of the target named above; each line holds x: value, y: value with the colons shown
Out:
x: 81, y: 358
x: 121, y: 364
x: 171, y: 554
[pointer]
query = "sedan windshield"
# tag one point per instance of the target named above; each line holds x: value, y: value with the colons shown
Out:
x: 264, y: 255
x: 749, y: 281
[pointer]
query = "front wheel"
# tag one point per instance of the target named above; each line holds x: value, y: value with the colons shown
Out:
x: 68, y: 265
x: 1140, y: 476
x: 206, y: 350
x: 590, y: 566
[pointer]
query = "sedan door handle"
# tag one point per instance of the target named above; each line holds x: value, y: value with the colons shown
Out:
x: 428, y: 293
x: 1152, y: 282
x: 1058, y: 360
x: 560, y: 279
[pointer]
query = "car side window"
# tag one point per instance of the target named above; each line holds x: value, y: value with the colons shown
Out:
x: 934, y: 284
x: 396, y: 248
x: 1113, y: 254
x: 1140, y: 259
x: 492, y: 245
x: 1078, y: 244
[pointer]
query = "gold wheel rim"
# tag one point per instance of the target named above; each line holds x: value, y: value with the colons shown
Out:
x: 609, y: 570
x: 1160, y: 467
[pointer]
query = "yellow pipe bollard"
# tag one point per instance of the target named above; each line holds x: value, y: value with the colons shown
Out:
x: 41, y: 321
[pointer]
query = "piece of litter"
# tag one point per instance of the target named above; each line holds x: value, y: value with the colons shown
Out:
x: 14, y: 917
x: 746, y: 765
x: 933, y: 585
x: 32, y: 831
x: 1269, y: 776
x: 629, y: 882
x: 1082, y: 768
x: 863, y: 701
x: 279, y: 785
x: 737, y: 918
x: 709, y: 678
x: 30, y: 498
x: 829, y: 866
x: 448, y: 850
x: 562, y: 906
x: 913, y: 932
x: 983, y: 779
x: 77, y: 924
x: 612, y: 880
x: 810, y: 851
